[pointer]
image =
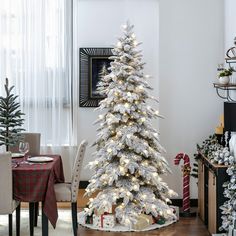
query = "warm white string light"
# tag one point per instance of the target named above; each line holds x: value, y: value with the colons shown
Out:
x: 119, y: 44
x: 109, y: 150
x: 128, y: 147
x: 143, y: 119
x: 127, y: 105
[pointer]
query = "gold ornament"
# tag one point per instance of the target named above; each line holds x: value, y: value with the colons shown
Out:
x: 186, y: 170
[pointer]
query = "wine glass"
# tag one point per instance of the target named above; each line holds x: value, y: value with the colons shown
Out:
x: 23, y: 147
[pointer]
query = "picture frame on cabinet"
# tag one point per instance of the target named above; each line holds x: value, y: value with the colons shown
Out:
x: 92, y: 60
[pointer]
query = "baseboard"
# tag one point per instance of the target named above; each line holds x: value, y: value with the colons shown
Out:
x: 83, y: 184
x: 176, y: 202
x: 179, y: 202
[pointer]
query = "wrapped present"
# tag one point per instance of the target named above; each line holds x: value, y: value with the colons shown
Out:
x: 89, y: 219
x: 232, y: 231
x: 105, y: 220
x: 175, y: 211
x: 159, y: 220
x: 101, y: 211
x: 143, y: 222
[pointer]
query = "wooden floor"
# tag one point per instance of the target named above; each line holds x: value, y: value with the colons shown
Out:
x: 184, y: 227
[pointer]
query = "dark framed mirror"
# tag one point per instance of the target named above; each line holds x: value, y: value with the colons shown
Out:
x: 92, y: 60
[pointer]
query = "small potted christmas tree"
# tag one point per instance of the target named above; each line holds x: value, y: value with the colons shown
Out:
x: 10, y: 118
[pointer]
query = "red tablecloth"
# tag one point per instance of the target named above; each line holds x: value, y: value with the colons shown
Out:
x: 35, y: 183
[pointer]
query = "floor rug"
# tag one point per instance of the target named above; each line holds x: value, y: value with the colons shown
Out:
x: 63, y: 228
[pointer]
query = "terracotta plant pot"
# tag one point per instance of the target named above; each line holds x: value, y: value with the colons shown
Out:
x: 224, y: 80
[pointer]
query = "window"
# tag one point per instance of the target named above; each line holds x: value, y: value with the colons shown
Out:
x: 35, y: 54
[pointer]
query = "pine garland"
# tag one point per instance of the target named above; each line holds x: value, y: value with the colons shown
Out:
x: 229, y: 206
x: 208, y: 148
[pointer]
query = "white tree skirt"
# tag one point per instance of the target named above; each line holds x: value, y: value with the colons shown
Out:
x: 121, y: 228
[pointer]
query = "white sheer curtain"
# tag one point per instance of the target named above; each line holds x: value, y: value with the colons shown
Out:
x: 36, y: 55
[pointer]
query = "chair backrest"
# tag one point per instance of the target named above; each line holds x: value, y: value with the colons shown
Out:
x: 6, y: 194
x: 77, y: 170
x: 34, y: 143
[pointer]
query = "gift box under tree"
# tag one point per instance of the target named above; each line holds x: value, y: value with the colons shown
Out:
x: 104, y: 221
x: 143, y: 221
x: 175, y: 211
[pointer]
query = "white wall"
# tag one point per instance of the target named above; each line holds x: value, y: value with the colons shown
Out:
x: 230, y: 32
x: 191, y: 46
x: 230, y: 26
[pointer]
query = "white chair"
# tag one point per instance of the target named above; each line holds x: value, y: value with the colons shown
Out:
x: 68, y: 192
x: 7, y: 204
x: 34, y: 143
x: 34, y: 150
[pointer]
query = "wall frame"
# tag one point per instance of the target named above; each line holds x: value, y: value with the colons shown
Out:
x: 91, y: 62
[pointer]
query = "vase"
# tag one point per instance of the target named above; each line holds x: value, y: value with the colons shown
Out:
x: 224, y: 80
x: 233, y: 79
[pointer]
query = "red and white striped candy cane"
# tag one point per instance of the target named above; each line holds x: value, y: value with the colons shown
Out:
x: 186, y: 177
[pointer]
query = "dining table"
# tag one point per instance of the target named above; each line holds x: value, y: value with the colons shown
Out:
x: 33, y: 182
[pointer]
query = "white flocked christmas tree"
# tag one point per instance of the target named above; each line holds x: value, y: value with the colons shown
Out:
x: 129, y: 159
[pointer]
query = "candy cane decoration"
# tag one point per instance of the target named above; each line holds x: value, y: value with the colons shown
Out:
x: 186, y: 177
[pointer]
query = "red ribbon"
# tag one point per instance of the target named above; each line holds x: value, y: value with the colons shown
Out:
x: 102, y: 218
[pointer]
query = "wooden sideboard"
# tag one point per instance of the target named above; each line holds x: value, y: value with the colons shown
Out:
x: 210, y: 192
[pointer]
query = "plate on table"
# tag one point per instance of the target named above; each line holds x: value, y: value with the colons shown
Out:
x: 17, y: 155
x: 40, y: 159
